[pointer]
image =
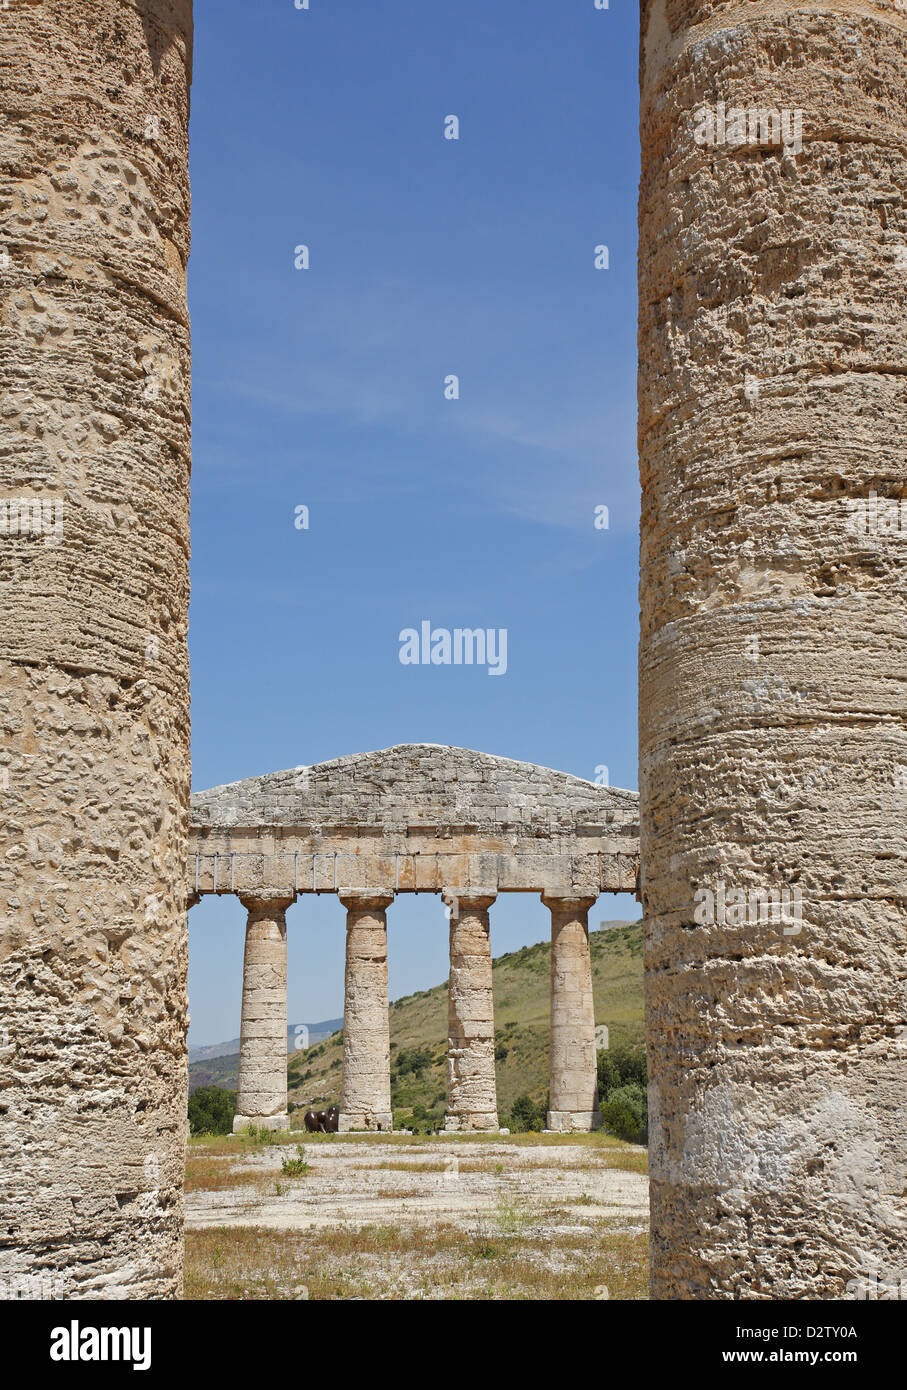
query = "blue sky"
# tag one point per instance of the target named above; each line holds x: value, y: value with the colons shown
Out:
x: 325, y: 388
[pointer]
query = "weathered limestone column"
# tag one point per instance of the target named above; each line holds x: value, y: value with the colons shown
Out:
x: 94, y: 673
x: 262, y: 1095
x: 472, y: 1101
x: 573, y: 1091
x: 772, y: 406
x: 366, y: 1097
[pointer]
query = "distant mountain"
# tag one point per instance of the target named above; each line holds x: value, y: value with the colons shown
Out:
x: 218, y: 1063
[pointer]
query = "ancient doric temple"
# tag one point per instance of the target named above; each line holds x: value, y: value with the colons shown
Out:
x: 419, y: 818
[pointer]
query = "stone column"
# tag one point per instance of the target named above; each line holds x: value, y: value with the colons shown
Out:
x: 472, y: 1102
x: 94, y: 673
x: 573, y: 1097
x: 773, y: 738
x: 366, y: 1098
x: 262, y: 1096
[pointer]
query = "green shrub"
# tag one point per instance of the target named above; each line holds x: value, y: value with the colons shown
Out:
x: 413, y: 1059
x: 295, y: 1167
x: 211, y: 1110
x: 625, y: 1113
x: 631, y: 1065
x: 527, y: 1115
x: 608, y: 1075
x: 260, y: 1134
x: 621, y: 1066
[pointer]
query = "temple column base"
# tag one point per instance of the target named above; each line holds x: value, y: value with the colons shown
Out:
x: 273, y: 1122
x: 479, y: 1122
x: 573, y: 1121
x: 366, y: 1122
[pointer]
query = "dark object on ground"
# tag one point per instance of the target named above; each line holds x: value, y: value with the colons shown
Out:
x: 323, y: 1121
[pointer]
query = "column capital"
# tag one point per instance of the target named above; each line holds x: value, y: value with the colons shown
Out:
x: 264, y: 899
x: 464, y: 899
x: 568, y: 902
x: 361, y: 900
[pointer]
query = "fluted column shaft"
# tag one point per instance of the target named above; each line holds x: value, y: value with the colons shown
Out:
x: 471, y: 1088
x: 573, y: 1090
x: 366, y: 1097
x: 262, y: 1095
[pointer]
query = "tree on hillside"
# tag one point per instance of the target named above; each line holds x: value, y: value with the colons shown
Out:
x: 527, y: 1115
x: 211, y: 1110
x: 621, y: 1066
x: 625, y: 1113
x: 622, y: 1091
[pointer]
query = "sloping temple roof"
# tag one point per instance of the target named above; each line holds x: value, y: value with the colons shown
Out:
x: 414, y: 784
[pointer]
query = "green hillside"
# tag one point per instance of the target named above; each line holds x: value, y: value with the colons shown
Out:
x: 215, y: 1071
x: 521, y: 1005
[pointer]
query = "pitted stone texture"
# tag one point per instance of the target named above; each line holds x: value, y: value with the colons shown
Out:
x: 471, y: 1086
x: 573, y: 1088
x: 261, y: 1097
x: 94, y: 716
x: 366, y: 1100
x: 772, y: 393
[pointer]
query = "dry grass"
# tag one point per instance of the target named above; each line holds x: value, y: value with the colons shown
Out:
x: 235, y: 1145
x: 506, y: 1257
x: 206, y: 1173
x: 546, y: 1238
x: 628, y: 1161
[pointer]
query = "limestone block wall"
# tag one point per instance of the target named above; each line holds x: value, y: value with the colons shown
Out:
x: 772, y: 406
x: 94, y: 708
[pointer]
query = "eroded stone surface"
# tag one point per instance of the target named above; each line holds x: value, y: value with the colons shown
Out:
x: 773, y: 398
x: 261, y: 1098
x: 366, y: 1099
x: 472, y: 1102
x: 94, y: 718
x: 573, y: 1092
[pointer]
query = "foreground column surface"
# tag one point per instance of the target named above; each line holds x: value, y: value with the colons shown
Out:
x: 773, y: 404
x: 366, y: 1100
x: 573, y: 1089
x: 471, y: 1086
x: 94, y: 678
x: 261, y: 1098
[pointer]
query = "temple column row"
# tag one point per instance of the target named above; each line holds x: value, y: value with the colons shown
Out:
x: 471, y: 1085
